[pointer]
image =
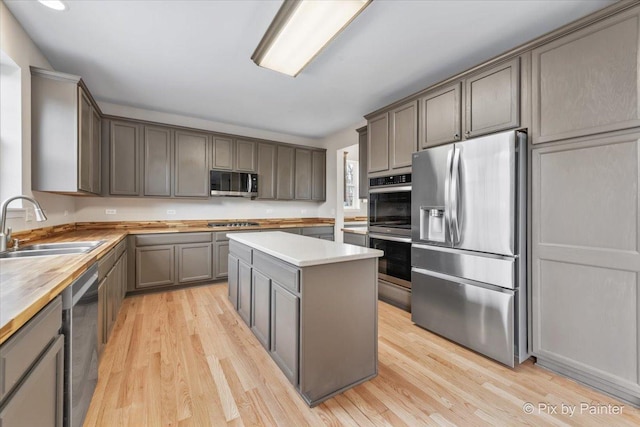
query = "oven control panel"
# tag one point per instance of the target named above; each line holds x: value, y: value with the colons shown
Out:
x: 390, y: 180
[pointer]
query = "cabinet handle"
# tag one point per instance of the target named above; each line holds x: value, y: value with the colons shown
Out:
x: 456, y: 136
x: 467, y: 133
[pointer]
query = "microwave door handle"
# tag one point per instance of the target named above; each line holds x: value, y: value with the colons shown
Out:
x: 455, y: 196
x: 447, y: 196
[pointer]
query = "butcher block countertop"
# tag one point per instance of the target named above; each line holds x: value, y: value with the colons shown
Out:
x: 28, y: 284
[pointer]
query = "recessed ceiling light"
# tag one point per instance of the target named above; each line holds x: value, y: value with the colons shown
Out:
x: 301, y: 29
x: 54, y: 4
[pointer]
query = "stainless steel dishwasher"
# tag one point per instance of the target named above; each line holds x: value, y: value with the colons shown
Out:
x: 80, y: 327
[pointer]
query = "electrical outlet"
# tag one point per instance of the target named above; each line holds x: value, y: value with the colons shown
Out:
x: 110, y: 211
x: 171, y: 212
x: 269, y: 211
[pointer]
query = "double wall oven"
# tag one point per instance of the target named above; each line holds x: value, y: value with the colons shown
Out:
x: 390, y: 231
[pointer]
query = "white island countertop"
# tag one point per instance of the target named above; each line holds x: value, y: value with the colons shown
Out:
x: 303, y: 251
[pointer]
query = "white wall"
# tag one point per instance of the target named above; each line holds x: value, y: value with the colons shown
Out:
x: 17, y: 44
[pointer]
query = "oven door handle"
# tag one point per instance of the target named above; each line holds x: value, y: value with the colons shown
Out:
x: 390, y: 189
x: 391, y: 238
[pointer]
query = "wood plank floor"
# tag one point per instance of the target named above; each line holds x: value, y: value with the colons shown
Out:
x: 184, y: 358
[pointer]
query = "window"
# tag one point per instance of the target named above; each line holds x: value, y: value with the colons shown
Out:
x: 351, y: 181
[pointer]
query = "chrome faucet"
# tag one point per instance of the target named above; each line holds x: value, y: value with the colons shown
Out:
x: 5, y: 236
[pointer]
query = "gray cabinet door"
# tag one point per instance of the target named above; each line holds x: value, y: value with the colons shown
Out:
x: 587, y: 82
x: 440, y: 116
x: 233, y: 281
x: 355, y: 239
x: 244, y: 291
x: 266, y: 171
x: 194, y: 262
x: 155, y: 266
x: 318, y: 175
x: 157, y: 149
x: 492, y: 100
x: 102, y: 315
x: 285, y: 174
x: 245, y: 157
x: 403, y: 139
x: 222, y: 153
x: 96, y: 152
x: 124, y: 152
x: 285, y: 327
x: 261, y: 308
x: 302, y: 181
x: 378, y: 143
x: 221, y: 266
x: 191, y: 165
x: 585, y: 238
x: 363, y: 188
x: 85, y: 118
x: 39, y: 399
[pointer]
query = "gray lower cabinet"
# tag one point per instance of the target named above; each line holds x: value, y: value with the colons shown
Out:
x: 191, y: 164
x: 173, y: 259
x: 355, y: 239
x: 194, y: 262
x: 221, y: 256
x: 285, y: 172
x: 112, y: 288
x: 233, y: 280
x: 587, y: 81
x: 155, y: 266
x: 266, y: 171
x: 585, y: 234
x: 261, y: 308
x: 244, y: 291
x: 124, y: 155
x: 285, y: 324
x: 440, y: 116
x: 32, y: 360
x: 157, y: 159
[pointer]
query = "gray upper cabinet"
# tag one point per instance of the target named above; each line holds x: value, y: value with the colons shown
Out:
x: 266, y: 170
x: 440, y: 116
x: 392, y: 138
x: 233, y: 154
x: 124, y: 155
x: 245, y: 155
x: 363, y: 188
x: 318, y: 175
x: 285, y: 172
x: 492, y: 100
x: 378, y: 143
x: 222, y: 153
x: 403, y: 135
x: 63, y: 120
x: 302, y: 174
x: 157, y: 155
x: 587, y: 82
x: 191, y: 165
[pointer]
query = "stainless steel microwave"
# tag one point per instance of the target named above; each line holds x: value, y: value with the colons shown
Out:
x: 233, y: 184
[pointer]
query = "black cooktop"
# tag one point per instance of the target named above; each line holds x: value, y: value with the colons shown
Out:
x: 232, y: 224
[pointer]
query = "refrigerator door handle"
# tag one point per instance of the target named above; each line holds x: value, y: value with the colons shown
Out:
x: 455, y: 197
x: 447, y: 195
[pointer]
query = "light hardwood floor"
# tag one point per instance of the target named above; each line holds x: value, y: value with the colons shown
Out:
x: 184, y: 358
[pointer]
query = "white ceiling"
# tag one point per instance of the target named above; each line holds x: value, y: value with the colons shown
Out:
x: 193, y: 57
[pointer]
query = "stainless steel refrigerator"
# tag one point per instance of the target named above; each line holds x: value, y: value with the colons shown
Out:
x: 468, y: 253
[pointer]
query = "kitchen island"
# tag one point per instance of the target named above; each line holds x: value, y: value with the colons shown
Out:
x: 312, y: 304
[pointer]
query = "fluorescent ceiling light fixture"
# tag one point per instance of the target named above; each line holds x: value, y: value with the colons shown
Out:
x: 301, y: 29
x: 54, y: 4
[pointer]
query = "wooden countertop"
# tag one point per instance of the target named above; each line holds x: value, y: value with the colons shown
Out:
x: 356, y: 230
x: 28, y: 284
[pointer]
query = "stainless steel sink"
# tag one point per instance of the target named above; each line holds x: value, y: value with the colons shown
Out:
x: 44, y: 249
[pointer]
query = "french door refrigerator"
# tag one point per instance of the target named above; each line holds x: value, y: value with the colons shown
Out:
x: 468, y: 253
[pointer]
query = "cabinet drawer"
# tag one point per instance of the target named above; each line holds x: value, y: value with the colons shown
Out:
x: 19, y: 353
x: 106, y: 263
x: 172, y: 238
x: 315, y: 231
x: 241, y: 251
x: 282, y: 273
x: 120, y: 248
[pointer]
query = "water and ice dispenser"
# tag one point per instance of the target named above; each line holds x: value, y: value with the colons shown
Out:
x: 432, y: 225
